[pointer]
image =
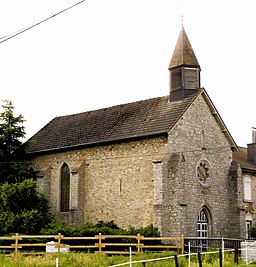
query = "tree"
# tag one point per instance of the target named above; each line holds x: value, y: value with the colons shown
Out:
x: 22, y: 209
x: 13, y: 156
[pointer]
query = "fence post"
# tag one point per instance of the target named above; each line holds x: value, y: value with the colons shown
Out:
x: 138, y: 245
x: 199, y: 259
x: 189, y: 254
x: 100, y: 243
x: 182, y: 244
x: 16, y: 244
x: 246, y: 256
x: 176, y: 260
x: 223, y: 249
x: 220, y: 255
x: 236, y: 256
x: 130, y: 256
x: 59, y: 242
x: 201, y: 246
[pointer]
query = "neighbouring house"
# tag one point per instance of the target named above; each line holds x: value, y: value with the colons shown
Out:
x: 169, y: 161
x: 244, y: 163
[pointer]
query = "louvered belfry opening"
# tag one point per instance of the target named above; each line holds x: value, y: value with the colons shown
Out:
x: 184, y: 69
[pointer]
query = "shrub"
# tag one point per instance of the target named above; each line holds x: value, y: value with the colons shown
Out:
x: 252, y: 231
x: 105, y: 228
x: 90, y: 229
x: 22, y: 208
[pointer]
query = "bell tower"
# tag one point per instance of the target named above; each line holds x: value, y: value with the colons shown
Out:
x: 184, y: 69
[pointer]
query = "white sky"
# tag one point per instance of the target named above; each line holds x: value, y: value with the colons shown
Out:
x: 107, y: 52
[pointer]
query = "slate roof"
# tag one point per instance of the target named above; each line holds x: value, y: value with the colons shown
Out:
x: 133, y: 120
x: 183, y: 53
x: 240, y: 157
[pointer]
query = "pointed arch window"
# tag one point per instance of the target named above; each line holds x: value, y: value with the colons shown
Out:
x: 32, y: 173
x: 202, y: 224
x: 64, y: 188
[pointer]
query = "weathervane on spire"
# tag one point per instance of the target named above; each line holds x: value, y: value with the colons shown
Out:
x: 181, y: 11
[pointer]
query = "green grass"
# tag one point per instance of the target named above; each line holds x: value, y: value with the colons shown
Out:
x: 94, y: 260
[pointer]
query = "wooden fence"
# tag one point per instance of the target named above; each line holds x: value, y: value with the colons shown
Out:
x: 102, y: 244
x: 203, y: 244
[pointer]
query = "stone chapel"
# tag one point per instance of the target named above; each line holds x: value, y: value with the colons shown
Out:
x: 168, y: 161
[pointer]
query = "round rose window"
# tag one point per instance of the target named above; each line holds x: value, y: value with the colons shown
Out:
x: 203, y: 172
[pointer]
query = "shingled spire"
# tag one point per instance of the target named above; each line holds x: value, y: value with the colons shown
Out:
x: 184, y: 69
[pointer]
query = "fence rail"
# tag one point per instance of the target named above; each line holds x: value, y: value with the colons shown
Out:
x: 202, y: 244
x: 102, y: 244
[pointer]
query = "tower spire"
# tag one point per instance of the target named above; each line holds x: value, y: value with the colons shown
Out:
x: 184, y: 69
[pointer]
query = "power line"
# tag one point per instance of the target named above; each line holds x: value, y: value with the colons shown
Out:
x: 9, y: 36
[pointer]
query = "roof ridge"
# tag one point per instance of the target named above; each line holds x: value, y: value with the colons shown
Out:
x: 109, y: 107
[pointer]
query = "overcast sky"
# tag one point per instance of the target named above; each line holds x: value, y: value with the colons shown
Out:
x: 107, y: 52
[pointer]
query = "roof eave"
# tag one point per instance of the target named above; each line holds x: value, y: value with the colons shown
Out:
x: 215, y: 113
x: 218, y: 118
x: 98, y: 143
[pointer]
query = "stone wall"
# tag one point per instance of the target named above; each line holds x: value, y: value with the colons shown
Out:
x: 115, y: 181
x: 197, y: 136
x: 153, y: 180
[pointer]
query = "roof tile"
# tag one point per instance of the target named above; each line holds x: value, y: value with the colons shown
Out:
x: 142, y: 118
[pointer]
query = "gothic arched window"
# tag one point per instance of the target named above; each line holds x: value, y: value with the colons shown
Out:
x: 64, y: 188
x: 202, y: 224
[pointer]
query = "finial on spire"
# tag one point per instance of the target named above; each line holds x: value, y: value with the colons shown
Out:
x: 181, y: 12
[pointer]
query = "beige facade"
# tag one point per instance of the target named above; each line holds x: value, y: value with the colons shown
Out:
x: 168, y: 161
x: 152, y: 180
x: 249, y: 196
x: 109, y: 182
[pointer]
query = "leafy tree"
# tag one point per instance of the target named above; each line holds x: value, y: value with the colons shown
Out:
x: 22, y: 209
x: 13, y: 156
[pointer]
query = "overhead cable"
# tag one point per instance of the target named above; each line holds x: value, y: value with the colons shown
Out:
x: 9, y: 36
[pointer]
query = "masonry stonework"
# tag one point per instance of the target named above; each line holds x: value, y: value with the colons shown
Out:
x: 186, y: 196
x: 116, y: 181
x: 168, y: 161
x: 150, y: 181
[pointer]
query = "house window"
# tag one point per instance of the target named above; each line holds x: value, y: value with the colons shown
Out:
x: 248, y: 220
x: 64, y: 188
x: 247, y: 188
x: 202, y: 224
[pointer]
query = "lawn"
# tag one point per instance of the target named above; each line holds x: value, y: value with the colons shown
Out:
x: 95, y: 260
